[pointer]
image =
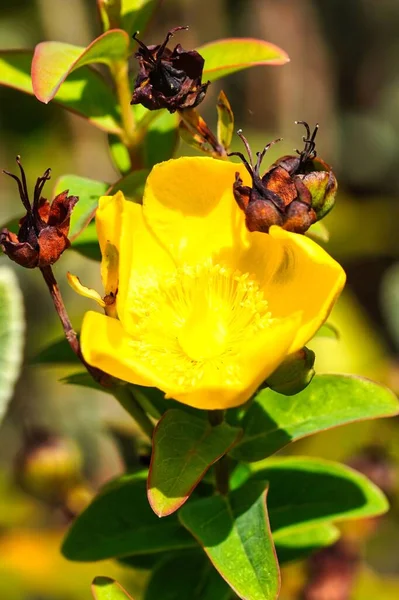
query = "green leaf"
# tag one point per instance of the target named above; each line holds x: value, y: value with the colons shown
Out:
x: 87, y: 243
x: 105, y: 588
x: 235, y: 54
x: 120, y: 522
x: 136, y: 14
x: 183, y: 449
x: 89, y: 192
x: 84, y: 93
x: 308, y: 491
x: 162, y: 139
x: 83, y: 379
x: 234, y: 532
x: 56, y: 353
x: 132, y: 185
x: 53, y: 61
x: 186, y: 576
x: 12, y: 326
x: 273, y: 420
x: 225, y: 126
x: 305, y: 542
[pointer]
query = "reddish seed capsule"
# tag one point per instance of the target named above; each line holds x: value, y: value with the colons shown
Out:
x: 167, y: 78
x: 294, y: 193
x: 43, y: 231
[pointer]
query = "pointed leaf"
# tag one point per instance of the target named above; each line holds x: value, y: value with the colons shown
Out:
x: 305, y: 542
x: 54, y: 61
x: 319, y: 232
x: 183, y: 449
x: 188, y: 575
x: 273, y: 420
x: 105, y: 588
x: 84, y: 93
x: 89, y: 192
x: 307, y: 491
x: 83, y: 379
x: 225, y: 127
x: 235, y: 54
x: 234, y: 532
x: 328, y: 331
x: 120, y: 522
x: 12, y: 326
x: 56, y: 353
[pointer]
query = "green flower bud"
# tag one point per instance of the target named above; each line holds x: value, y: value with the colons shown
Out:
x: 294, y: 374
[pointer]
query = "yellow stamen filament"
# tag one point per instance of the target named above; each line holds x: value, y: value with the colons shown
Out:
x: 193, y: 322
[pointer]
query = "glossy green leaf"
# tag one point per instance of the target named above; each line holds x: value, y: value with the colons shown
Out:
x: 273, y: 420
x: 183, y: 449
x: 306, y: 491
x: 234, y: 532
x: 186, y: 576
x: 136, y: 14
x: 120, y: 522
x: 305, y: 541
x: 105, y: 588
x: 12, y: 326
x: 87, y: 243
x: 83, y: 379
x: 53, y: 61
x: 84, y: 93
x: 225, y: 126
x: 89, y: 192
x: 230, y: 55
x: 132, y: 185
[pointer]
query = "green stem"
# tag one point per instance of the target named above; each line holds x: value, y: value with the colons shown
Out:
x: 127, y: 399
x: 120, y: 73
x: 221, y: 467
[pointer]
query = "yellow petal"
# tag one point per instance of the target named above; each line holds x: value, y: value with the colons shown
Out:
x: 189, y: 205
x: 141, y: 258
x: 307, y: 279
x: 258, y: 359
x: 82, y: 290
x: 106, y: 345
x: 108, y: 224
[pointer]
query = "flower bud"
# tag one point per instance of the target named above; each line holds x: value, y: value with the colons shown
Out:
x: 43, y: 231
x: 167, y: 78
x: 294, y: 374
x: 294, y: 193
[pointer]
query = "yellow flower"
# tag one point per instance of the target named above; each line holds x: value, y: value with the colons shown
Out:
x: 205, y: 310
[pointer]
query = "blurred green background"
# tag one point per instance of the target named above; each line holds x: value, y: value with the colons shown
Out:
x: 343, y: 74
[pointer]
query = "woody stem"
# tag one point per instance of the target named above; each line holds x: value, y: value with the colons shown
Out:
x: 70, y: 333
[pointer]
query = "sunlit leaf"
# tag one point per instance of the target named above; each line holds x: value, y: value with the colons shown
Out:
x: 225, y: 127
x: 89, y: 192
x: 183, y: 449
x: 291, y: 547
x: 53, y: 61
x: 306, y: 491
x: 234, y: 532
x: 162, y: 139
x: 105, y: 588
x: 84, y: 92
x: 235, y: 54
x: 120, y: 522
x: 328, y: 331
x: 12, y: 325
x: 132, y: 185
x: 119, y: 154
x: 273, y: 420
x: 137, y: 13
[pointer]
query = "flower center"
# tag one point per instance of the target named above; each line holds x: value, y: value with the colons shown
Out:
x: 195, y: 320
